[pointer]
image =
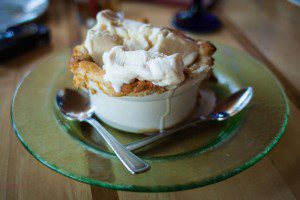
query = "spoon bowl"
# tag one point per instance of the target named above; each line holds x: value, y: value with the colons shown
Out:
x: 231, y: 105
x: 74, y: 105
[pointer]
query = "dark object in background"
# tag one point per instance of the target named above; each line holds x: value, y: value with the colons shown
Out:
x: 197, y: 19
x: 90, y: 8
x: 17, y: 40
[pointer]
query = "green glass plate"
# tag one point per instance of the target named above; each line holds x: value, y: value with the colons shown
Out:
x: 195, y: 157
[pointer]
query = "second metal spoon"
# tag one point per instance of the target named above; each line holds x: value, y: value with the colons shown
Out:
x: 223, y: 110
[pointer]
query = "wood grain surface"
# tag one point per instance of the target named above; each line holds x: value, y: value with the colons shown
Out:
x: 268, y: 30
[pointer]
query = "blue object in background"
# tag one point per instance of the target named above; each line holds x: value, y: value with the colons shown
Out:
x: 296, y: 2
x: 196, y: 19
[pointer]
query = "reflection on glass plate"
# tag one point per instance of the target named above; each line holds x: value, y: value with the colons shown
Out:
x: 13, y: 13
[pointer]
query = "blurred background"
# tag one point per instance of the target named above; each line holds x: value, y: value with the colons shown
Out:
x: 24, y: 24
x: 27, y: 24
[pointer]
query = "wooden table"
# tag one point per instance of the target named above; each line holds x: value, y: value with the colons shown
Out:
x: 268, y: 30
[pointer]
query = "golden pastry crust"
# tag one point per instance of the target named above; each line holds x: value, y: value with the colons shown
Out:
x: 86, y: 71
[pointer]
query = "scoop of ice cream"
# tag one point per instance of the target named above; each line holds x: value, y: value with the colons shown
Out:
x: 97, y: 42
x: 111, y: 30
x: 122, y: 66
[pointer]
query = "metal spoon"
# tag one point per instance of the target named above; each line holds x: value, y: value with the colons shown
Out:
x: 223, y: 110
x: 77, y: 106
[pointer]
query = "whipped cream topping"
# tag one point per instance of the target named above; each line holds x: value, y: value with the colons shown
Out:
x: 122, y: 66
x: 147, y: 52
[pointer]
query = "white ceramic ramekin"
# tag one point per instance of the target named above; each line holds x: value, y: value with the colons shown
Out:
x: 147, y: 113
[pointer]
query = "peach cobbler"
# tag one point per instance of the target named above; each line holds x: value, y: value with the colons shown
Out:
x: 124, y: 58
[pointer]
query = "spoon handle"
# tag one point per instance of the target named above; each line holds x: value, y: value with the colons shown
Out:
x: 133, y: 163
x: 153, y: 138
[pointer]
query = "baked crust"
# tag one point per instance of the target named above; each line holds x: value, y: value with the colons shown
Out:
x: 86, y: 72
